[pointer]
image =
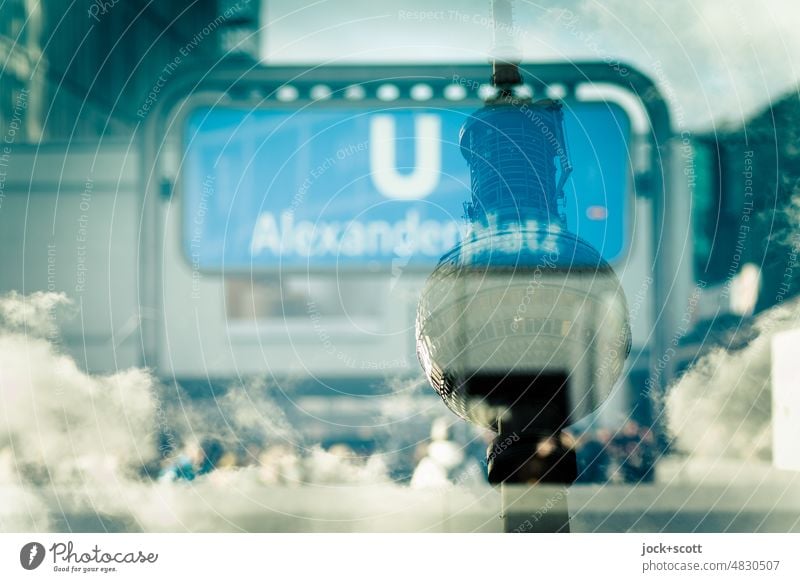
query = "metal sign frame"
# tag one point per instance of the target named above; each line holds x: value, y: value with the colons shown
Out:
x: 228, y: 82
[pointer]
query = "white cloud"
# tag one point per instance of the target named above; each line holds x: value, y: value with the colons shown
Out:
x: 721, y: 408
x: 73, y: 444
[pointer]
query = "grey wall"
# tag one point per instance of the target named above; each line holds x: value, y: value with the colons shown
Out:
x: 68, y: 223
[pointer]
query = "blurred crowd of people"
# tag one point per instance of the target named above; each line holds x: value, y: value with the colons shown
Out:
x: 276, y: 464
x: 626, y: 455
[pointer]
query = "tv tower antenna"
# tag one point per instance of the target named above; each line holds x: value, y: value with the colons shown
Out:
x: 504, y: 54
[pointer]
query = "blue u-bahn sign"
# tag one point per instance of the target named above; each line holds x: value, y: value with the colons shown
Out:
x: 324, y: 187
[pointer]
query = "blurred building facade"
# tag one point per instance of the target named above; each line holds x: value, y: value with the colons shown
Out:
x: 84, y: 70
x: 746, y: 207
x: 749, y: 207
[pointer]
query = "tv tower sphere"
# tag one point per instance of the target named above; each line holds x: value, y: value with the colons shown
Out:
x: 522, y: 327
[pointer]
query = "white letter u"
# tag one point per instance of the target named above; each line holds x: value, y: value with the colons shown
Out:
x: 427, y: 157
